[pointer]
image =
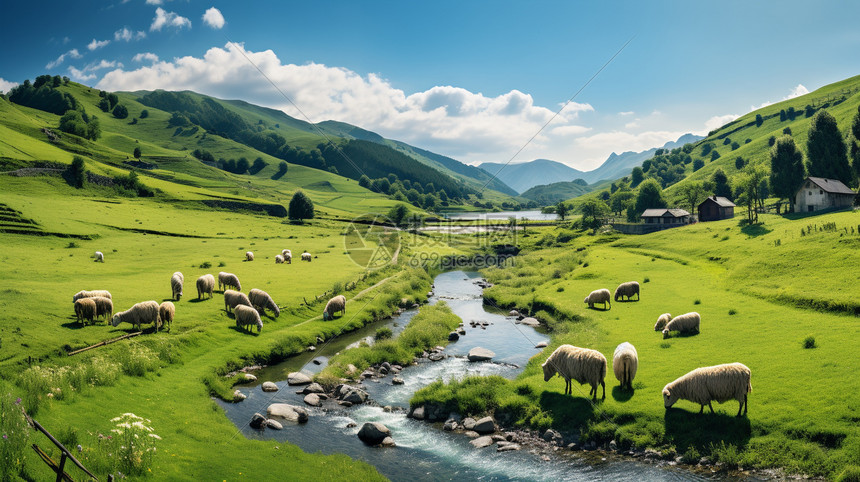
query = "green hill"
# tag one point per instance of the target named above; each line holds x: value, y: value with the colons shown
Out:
x: 558, y: 191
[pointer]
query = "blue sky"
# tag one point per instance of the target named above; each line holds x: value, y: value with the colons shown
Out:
x: 472, y: 80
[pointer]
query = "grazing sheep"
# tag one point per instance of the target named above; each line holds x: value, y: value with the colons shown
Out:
x: 702, y: 385
x: 580, y: 364
x: 228, y: 280
x: 338, y: 303
x: 306, y: 256
x: 205, y: 285
x: 99, y: 256
x: 598, y: 296
x: 288, y: 258
x: 261, y: 301
x: 91, y: 294
x: 166, y: 312
x: 176, y: 283
x: 249, y: 256
x: 688, y: 322
x: 625, y: 362
x: 245, y: 316
x: 286, y: 252
x: 627, y: 290
x: 85, y: 309
x: 662, y: 320
x: 234, y: 298
x: 104, y: 306
x: 279, y: 259
x: 140, y: 313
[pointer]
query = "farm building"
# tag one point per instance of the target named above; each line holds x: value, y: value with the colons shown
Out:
x: 666, y: 216
x: 818, y: 193
x: 715, y: 208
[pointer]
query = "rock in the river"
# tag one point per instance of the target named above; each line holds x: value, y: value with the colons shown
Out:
x: 461, y: 331
x: 354, y: 396
x: 471, y: 434
x: 507, y: 448
x: 418, y: 413
x: 373, y: 433
x: 274, y: 424
x: 480, y: 354
x: 435, y: 356
x: 541, y: 345
x: 239, y: 396
x: 312, y: 399
x: 385, y: 366
x: 485, y: 425
x: 250, y: 378
x: 453, y: 336
x: 514, y: 313
x: 318, y: 360
x: 397, y: 381
x: 469, y: 423
x: 258, y: 421
x: 530, y: 321
x: 388, y: 442
x: 270, y: 387
x: 450, y: 425
x: 313, y: 388
x: 290, y: 413
x: 482, y: 442
x: 298, y: 378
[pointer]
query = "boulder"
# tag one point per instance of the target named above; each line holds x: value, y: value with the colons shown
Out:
x: 514, y: 313
x: 312, y: 399
x: 298, y: 378
x: 258, y: 421
x: 482, y: 442
x: 388, y: 442
x: 480, y: 354
x: 436, y: 356
x: 385, y: 366
x: 250, y: 378
x: 541, y: 345
x: 270, y: 387
x: 469, y: 423
x: 550, y: 435
x: 290, y: 413
x: 373, y: 433
x: 453, y: 336
x: 397, y: 381
x: 485, y: 425
x: 318, y: 360
x: 418, y: 413
x: 274, y: 424
x: 471, y: 434
x: 508, y: 448
x: 530, y: 321
x: 239, y: 396
x: 313, y: 388
x: 449, y: 425
x: 355, y: 396
x: 461, y: 331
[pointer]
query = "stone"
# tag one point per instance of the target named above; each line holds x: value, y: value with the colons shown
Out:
x: 530, y: 321
x: 250, y: 378
x: 350, y: 369
x: 471, y: 434
x: 453, y: 336
x: 449, y: 426
x: 313, y: 388
x: 499, y: 438
x: 485, y: 425
x: 351, y: 425
x: 298, y: 378
x: 514, y: 313
x: 290, y: 413
x: 509, y: 448
x: 573, y: 446
x: 461, y: 331
x: 482, y: 442
x: 274, y: 424
x: 385, y: 366
x: 551, y: 435
x: 318, y: 360
x: 436, y: 356
x: 345, y: 404
x: 312, y: 399
x: 480, y: 354
x: 397, y: 381
x: 388, y: 442
x: 541, y: 345
x: 367, y: 373
x: 613, y: 445
x: 270, y: 387
x: 383, y: 371
x: 387, y: 409
x: 239, y: 396
x: 312, y: 348
x: 469, y: 423
x: 418, y: 413
x: 373, y: 433
x: 355, y: 396
x: 258, y: 421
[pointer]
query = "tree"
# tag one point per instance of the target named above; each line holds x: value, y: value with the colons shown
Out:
x: 698, y: 164
x: 693, y: 193
x: 854, y: 142
x: 715, y: 155
x: 258, y: 165
x: 721, y: 184
x: 650, y: 196
x: 77, y: 172
x: 637, y: 175
x: 104, y: 105
x: 749, y: 191
x: 786, y: 168
x: 301, y: 207
x: 619, y: 201
x: 826, y: 151
x: 282, y: 168
x: 137, y: 152
x: 758, y: 120
x: 144, y: 114
x: 398, y: 213
x: 242, y: 166
x: 561, y: 210
x: 593, y: 212
x: 112, y: 98
x: 787, y: 131
x: 364, y: 181
x: 739, y: 163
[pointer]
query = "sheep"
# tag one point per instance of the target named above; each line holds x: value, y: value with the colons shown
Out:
x: 91, y: 294
x: 140, y: 313
x: 288, y: 258
x: 85, y: 309
x: 176, y: 282
x: 234, y: 298
x: 246, y: 315
x: 688, y: 322
x: 627, y: 290
x: 166, y: 312
x: 662, y: 320
x: 249, y: 256
x: 286, y: 252
x: 104, y: 306
x: 702, y: 385
x: 279, y: 259
x: 338, y: 303
x: 205, y: 285
x: 598, y: 296
x: 99, y: 257
x: 580, y: 364
x: 306, y: 256
x: 228, y: 280
x: 261, y: 300
x: 625, y: 362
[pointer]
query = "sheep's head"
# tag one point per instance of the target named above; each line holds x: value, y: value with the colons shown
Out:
x: 668, y: 398
x: 548, y: 371
x: 586, y: 299
x: 114, y: 321
x: 326, y: 316
x: 277, y: 310
x: 259, y: 326
x: 665, y: 333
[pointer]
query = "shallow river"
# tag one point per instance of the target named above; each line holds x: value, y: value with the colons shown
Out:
x: 425, y: 452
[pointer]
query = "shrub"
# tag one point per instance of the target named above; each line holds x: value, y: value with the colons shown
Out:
x: 697, y: 302
x: 691, y: 456
x: 560, y: 289
x: 732, y: 312
x: 850, y: 474
x: 132, y: 444
x: 809, y: 342
x: 15, y: 434
x: 144, y: 114
x: 205, y: 265
x: 120, y: 111
x: 383, y: 333
x: 646, y: 280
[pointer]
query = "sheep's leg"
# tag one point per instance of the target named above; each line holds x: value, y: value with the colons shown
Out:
x: 710, y: 406
x: 702, y: 410
x: 602, y: 384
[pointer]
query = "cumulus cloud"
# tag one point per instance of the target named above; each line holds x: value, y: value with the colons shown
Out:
x: 5, y: 85
x: 154, y: 2
x: 570, y: 130
x: 97, y: 44
x: 102, y: 64
x: 145, y: 57
x: 213, y: 18
x: 626, y: 113
x: 795, y: 92
x: 81, y: 75
x: 128, y: 35
x: 164, y: 18
x: 71, y: 53
x: 716, y: 122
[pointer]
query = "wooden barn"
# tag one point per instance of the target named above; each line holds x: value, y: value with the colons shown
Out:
x: 818, y: 193
x: 715, y: 208
x: 675, y: 217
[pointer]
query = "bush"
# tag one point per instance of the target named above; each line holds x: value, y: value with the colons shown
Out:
x: 850, y: 474
x: 205, y: 265
x: 120, y: 111
x: 144, y: 114
x: 809, y: 342
x: 697, y: 302
x: 301, y: 207
x: 16, y: 434
x: 732, y: 312
x: 383, y: 333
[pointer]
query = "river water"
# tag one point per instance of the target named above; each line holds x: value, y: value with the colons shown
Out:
x: 424, y: 451
x: 502, y: 215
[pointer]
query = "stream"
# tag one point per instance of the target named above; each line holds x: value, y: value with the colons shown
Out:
x: 425, y: 451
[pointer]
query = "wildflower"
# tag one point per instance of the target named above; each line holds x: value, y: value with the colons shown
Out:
x: 5, y: 437
x: 18, y: 401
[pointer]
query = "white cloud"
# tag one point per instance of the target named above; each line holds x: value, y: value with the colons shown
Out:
x: 632, y: 125
x: 102, y: 64
x: 795, y: 92
x: 66, y: 40
x: 154, y: 2
x: 145, y: 57
x: 128, y: 35
x: 97, y: 44
x: 716, y: 122
x: 81, y: 75
x: 170, y: 19
x: 213, y: 18
x: 570, y: 130
x: 626, y: 113
x: 71, y: 53
x: 5, y: 85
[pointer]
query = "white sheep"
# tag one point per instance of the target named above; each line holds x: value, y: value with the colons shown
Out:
x: 234, y: 298
x: 306, y: 256
x: 176, y: 283
x: 249, y: 256
x: 99, y: 256
x: 140, y: 313
x: 279, y: 259
x: 228, y: 280
x: 261, y: 301
x: 166, y: 311
x: 625, y: 362
x: 580, y: 364
x: 598, y: 296
x: 288, y: 258
x: 246, y: 316
x: 104, y: 306
x: 286, y: 252
x: 686, y: 323
x: 91, y: 294
x: 722, y: 383
x: 627, y: 290
x: 338, y: 303
x: 662, y: 321
x: 205, y: 285
x: 85, y: 309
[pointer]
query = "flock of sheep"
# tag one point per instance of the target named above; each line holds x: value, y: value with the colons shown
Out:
x: 703, y: 385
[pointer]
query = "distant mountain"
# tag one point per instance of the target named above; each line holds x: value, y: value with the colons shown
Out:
x: 620, y: 165
x: 558, y: 191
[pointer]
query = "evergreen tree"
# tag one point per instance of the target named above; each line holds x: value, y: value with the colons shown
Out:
x: 301, y: 207
x: 786, y: 168
x: 827, y: 155
x: 77, y: 171
x: 721, y: 184
x: 137, y: 152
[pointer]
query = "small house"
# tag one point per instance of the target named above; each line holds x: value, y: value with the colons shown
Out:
x: 715, y: 208
x: 818, y: 193
x: 672, y: 217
